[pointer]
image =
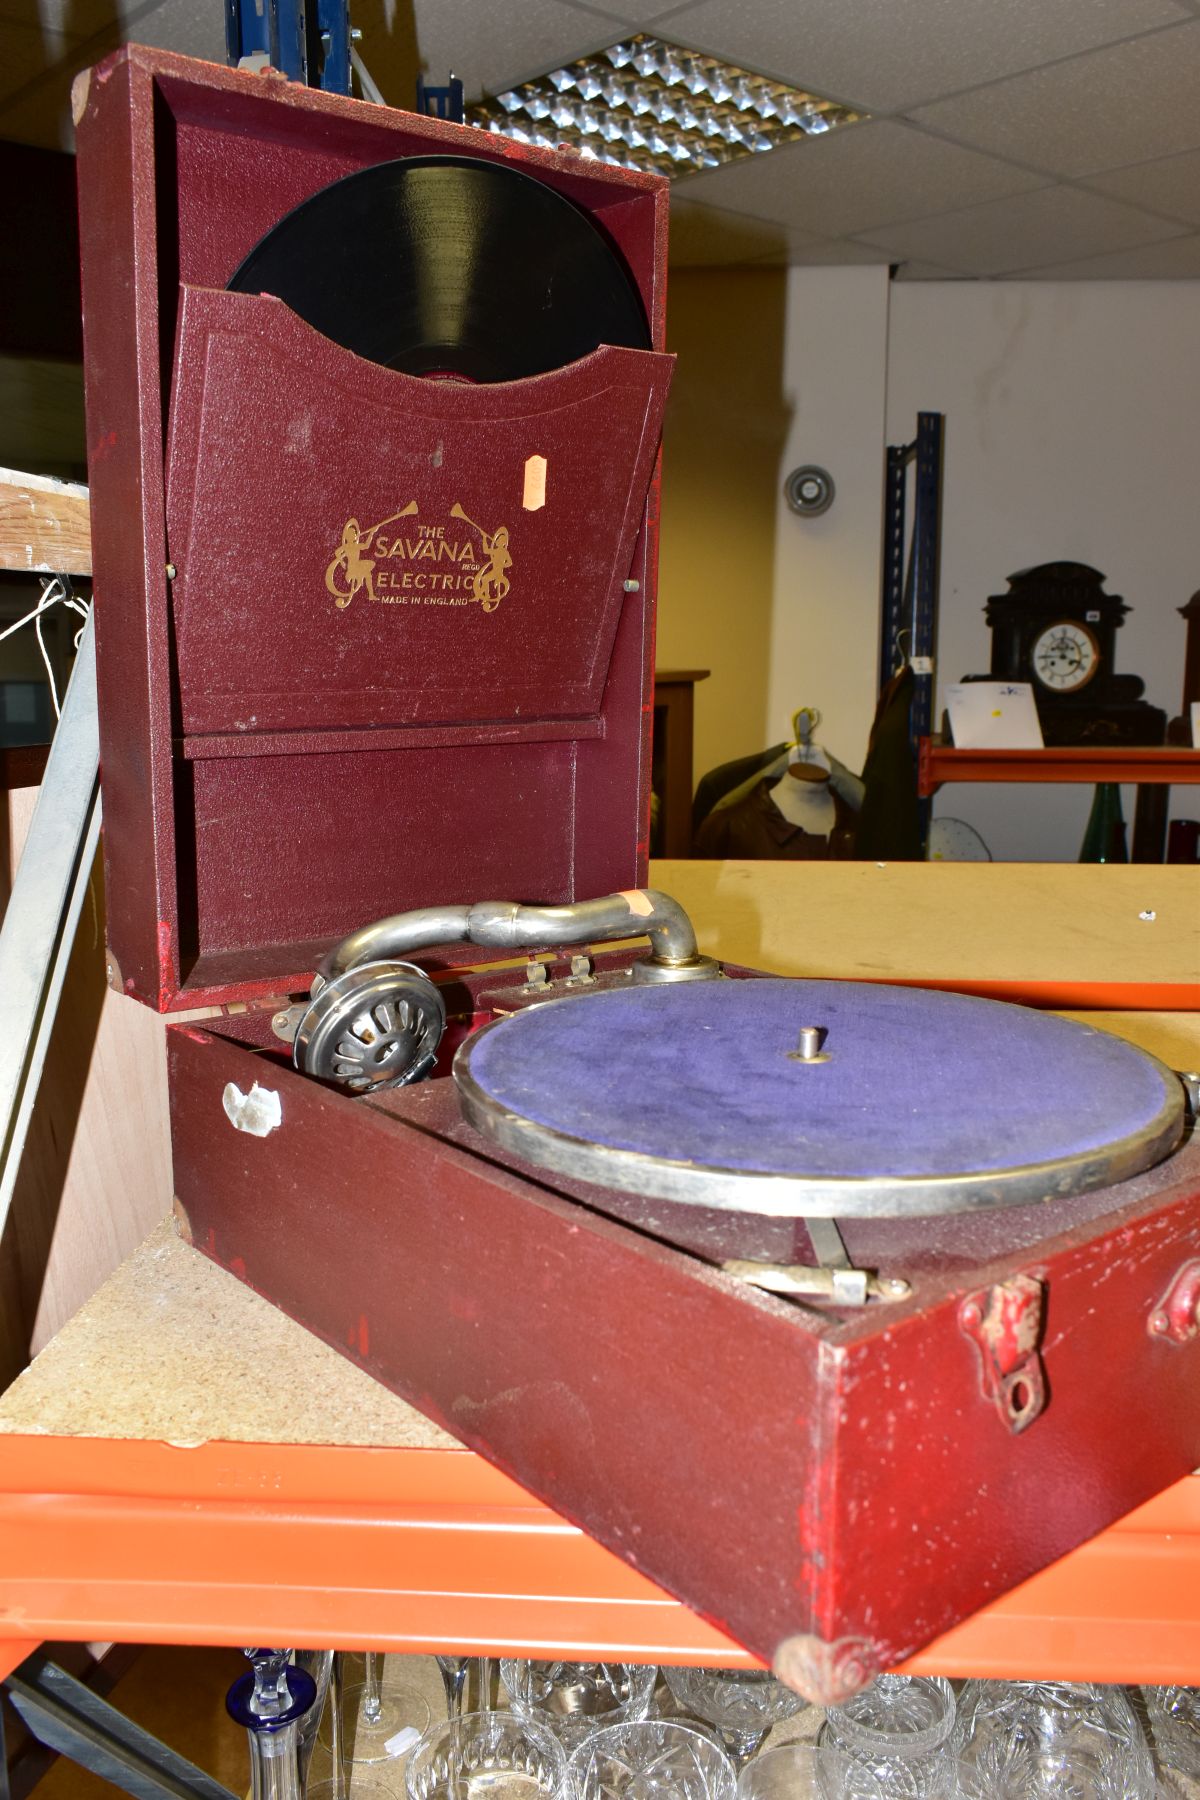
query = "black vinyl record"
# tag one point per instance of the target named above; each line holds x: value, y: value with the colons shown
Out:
x: 451, y: 266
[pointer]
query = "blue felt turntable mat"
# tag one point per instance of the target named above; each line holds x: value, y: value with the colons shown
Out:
x: 916, y: 1083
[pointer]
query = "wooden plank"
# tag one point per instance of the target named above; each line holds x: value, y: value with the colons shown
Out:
x: 45, y: 525
x: 1037, y: 926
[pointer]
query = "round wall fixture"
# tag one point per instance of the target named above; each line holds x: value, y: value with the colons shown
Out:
x: 809, y: 490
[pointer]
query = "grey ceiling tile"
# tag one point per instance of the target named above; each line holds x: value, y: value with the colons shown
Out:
x: 1178, y: 259
x: 28, y: 54
x: 193, y: 27
x: 1126, y: 104
x: 1054, y: 225
x: 643, y: 14
x: 41, y: 113
x: 858, y: 177
x: 914, y: 270
x: 72, y: 19
x: 493, y: 44
x: 889, y: 55
x: 826, y: 253
x: 707, y: 237
x: 1171, y: 185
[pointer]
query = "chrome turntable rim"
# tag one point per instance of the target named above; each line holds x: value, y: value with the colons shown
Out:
x: 1149, y: 1134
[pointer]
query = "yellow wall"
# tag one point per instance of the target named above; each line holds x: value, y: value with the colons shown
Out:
x: 722, y: 444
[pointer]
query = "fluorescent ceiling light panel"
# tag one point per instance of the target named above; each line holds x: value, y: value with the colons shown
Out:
x: 646, y: 104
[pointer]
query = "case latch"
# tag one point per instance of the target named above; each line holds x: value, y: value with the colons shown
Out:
x: 1177, y: 1315
x: 1005, y: 1324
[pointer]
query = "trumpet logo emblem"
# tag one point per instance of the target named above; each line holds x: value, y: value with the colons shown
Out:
x: 351, y: 570
x: 490, y: 584
x: 420, y: 565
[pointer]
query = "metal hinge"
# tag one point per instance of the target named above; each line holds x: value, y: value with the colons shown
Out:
x: 1005, y: 1325
x: 1176, y: 1318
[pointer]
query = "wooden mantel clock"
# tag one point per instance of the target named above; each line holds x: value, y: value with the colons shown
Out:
x: 1056, y: 628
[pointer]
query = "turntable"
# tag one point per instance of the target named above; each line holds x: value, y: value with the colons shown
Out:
x: 827, y: 1305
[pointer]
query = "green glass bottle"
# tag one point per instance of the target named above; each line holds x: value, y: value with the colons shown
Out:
x: 1104, y: 839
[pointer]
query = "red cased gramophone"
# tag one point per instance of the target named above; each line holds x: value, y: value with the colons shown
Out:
x: 293, y: 746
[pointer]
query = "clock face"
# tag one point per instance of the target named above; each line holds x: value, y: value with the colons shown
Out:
x: 1064, y: 656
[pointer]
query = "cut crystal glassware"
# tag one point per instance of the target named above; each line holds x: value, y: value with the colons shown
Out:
x: 573, y: 1699
x: 742, y: 1704
x: 806, y: 1771
x: 487, y: 1756
x: 1175, y: 1723
x: 898, y: 1729
x: 1050, y: 1740
x: 650, y: 1759
x: 365, y: 1787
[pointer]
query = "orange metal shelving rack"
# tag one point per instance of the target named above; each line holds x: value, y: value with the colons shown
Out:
x: 423, y: 1550
x: 939, y: 763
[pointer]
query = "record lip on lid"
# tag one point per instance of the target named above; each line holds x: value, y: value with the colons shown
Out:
x: 516, y: 323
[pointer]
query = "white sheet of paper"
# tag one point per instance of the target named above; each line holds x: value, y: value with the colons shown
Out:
x: 993, y: 715
x: 1196, y: 724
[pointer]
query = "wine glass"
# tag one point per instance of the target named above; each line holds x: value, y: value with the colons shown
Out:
x: 365, y: 1787
x: 454, y: 1672
x: 898, y: 1728
x: 806, y: 1771
x: 650, y: 1759
x: 1051, y: 1740
x: 372, y: 1722
x: 487, y: 1756
x: 318, y: 1664
x: 573, y: 1699
x: 742, y: 1704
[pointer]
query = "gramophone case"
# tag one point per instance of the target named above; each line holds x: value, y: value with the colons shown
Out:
x: 832, y: 1484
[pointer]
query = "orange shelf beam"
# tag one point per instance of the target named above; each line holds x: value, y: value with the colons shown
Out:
x: 426, y: 1550
x: 939, y: 763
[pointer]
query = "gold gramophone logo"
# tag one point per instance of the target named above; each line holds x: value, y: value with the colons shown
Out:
x: 420, y: 564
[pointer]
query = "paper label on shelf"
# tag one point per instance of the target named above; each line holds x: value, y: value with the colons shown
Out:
x: 993, y: 715
x: 401, y: 1742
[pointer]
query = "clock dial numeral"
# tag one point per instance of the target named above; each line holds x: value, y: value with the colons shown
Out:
x: 1065, y: 656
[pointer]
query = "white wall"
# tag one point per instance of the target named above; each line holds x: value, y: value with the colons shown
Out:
x: 1072, y: 417
x: 825, y: 623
